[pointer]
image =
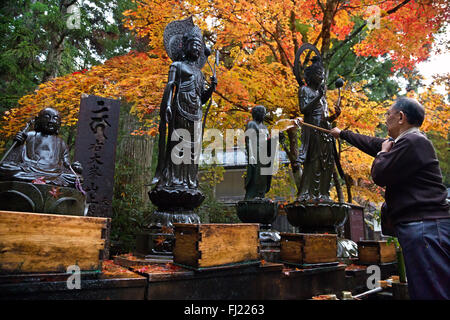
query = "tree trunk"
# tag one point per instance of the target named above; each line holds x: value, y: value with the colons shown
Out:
x: 292, y: 153
x: 135, y: 155
x: 56, y: 47
x: 54, y: 58
x: 329, y: 11
x: 348, y: 184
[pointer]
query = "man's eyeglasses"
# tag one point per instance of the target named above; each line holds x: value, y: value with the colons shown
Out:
x: 388, y: 113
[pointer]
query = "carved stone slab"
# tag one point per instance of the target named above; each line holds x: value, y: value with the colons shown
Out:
x: 95, y: 149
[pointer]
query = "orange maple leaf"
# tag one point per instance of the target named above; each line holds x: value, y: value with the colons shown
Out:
x: 166, y: 229
x: 159, y: 240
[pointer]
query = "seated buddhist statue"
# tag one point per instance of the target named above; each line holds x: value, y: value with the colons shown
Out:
x: 41, y: 156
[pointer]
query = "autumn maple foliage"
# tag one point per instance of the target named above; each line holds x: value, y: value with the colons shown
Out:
x: 257, y: 40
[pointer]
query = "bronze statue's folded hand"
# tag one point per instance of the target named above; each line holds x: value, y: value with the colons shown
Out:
x: 337, y: 110
x: 20, y: 137
x: 76, y: 166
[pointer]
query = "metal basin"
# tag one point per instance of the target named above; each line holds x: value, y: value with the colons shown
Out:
x: 263, y: 211
x: 321, y: 217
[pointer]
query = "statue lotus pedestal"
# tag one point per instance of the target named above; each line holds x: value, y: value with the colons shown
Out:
x: 322, y: 217
x: 175, y: 205
x: 317, y: 217
x: 41, y: 198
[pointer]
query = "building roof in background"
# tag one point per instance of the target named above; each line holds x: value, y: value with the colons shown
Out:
x: 235, y: 157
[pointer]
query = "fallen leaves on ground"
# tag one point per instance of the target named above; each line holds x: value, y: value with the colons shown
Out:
x: 158, y: 268
x: 355, y: 267
x: 110, y: 269
x: 325, y: 297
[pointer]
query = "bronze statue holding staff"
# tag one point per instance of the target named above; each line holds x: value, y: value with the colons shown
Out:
x: 40, y: 154
x: 317, y: 149
x: 36, y: 174
x: 175, y: 190
x: 314, y: 211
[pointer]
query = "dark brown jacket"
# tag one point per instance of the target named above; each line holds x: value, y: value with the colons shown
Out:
x: 411, y: 174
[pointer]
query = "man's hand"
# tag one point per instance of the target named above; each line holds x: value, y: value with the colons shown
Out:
x: 335, y: 132
x: 386, y: 146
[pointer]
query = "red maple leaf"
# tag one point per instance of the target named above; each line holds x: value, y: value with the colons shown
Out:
x: 39, y: 180
x: 55, y: 192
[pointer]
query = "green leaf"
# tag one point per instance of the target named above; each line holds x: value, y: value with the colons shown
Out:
x: 303, y: 29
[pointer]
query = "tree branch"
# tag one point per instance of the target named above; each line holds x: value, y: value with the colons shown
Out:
x: 320, y: 5
x: 280, y: 47
x: 357, y: 31
x: 270, y: 46
x: 293, y: 30
x: 229, y: 101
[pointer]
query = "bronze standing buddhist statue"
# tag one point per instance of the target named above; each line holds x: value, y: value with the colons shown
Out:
x: 257, y: 184
x: 175, y: 184
x: 316, y: 151
x: 256, y: 208
x: 314, y: 211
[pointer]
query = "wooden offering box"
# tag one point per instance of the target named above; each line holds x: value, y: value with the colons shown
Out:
x: 34, y: 242
x: 308, y: 248
x: 210, y: 245
x: 374, y: 252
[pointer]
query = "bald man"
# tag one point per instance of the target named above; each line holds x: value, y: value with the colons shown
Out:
x: 415, y: 197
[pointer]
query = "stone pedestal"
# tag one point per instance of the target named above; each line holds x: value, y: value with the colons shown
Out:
x: 41, y: 198
x: 175, y: 205
x: 158, y: 238
x: 264, y: 212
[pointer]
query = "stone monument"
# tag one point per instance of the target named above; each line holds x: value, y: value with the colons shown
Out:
x: 95, y: 149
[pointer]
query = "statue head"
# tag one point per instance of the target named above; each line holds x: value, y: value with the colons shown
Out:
x: 314, y: 74
x: 193, y: 43
x: 258, y: 113
x: 48, y: 121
